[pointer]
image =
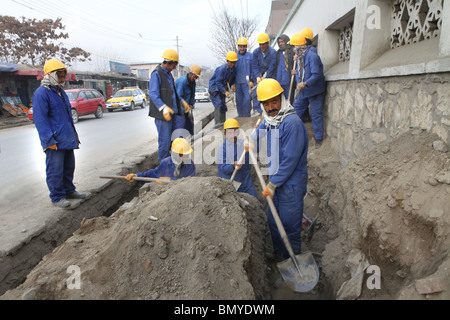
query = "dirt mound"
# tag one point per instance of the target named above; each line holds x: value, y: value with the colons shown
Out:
x: 193, y: 239
x: 388, y: 209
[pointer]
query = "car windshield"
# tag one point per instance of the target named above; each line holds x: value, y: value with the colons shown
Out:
x: 72, y: 95
x: 126, y: 93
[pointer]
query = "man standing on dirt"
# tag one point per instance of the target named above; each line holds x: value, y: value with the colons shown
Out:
x: 54, y: 123
x: 164, y: 102
x: 265, y: 57
x: 284, y: 66
x: 245, y: 67
x: 228, y: 156
x: 287, y: 147
x: 220, y: 83
x: 178, y: 166
x: 310, y: 83
x: 186, y: 91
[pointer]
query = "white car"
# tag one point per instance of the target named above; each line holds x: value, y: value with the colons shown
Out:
x: 202, y: 94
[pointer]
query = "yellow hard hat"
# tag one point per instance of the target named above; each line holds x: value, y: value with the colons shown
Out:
x: 242, y: 42
x: 197, y: 70
x: 231, y: 124
x: 263, y: 38
x: 232, y: 56
x: 268, y: 89
x: 53, y: 65
x: 181, y: 146
x: 299, y: 39
x: 171, y: 55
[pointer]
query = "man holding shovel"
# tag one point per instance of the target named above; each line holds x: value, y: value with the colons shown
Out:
x: 178, y: 166
x: 287, y: 145
x: 228, y: 156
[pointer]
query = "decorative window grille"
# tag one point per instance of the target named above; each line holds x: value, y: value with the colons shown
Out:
x: 415, y: 20
x: 345, y: 43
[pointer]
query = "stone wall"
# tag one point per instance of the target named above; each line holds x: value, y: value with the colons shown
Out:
x: 360, y: 114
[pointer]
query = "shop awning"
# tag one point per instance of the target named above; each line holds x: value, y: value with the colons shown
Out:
x: 40, y: 74
x: 8, y: 67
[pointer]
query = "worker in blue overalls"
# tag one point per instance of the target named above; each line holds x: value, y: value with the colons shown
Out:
x: 186, y: 91
x: 287, y: 148
x: 228, y: 156
x: 265, y: 57
x: 310, y: 82
x: 245, y: 67
x: 284, y: 66
x: 57, y: 133
x: 165, y: 103
x: 220, y: 84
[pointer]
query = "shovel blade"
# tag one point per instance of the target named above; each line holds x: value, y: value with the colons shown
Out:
x: 309, y: 272
x: 237, y: 185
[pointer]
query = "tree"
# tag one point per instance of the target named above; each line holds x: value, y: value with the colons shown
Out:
x: 227, y: 29
x: 34, y: 41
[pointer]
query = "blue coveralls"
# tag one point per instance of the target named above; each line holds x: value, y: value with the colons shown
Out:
x: 52, y: 116
x: 166, y: 169
x: 246, y: 66
x: 165, y: 128
x: 283, y: 77
x: 186, y: 91
x: 287, y: 148
x: 218, y: 85
x: 266, y: 65
x: 314, y: 94
x: 226, y: 156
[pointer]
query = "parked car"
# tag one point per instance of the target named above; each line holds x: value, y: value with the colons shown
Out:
x: 83, y: 102
x: 202, y: 94
x: 127, y: 99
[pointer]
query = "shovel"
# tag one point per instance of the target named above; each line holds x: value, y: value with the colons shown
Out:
x: 300, y: 270
x: 137, y: 179
x: 237, y: 184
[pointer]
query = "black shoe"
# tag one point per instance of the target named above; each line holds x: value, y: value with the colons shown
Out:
x: 63, y: 203
x: 76, y: 195
x: 318, y: 144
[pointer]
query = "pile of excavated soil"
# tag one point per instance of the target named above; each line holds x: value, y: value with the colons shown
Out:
x: 389, y: 209
x: 196, y: 238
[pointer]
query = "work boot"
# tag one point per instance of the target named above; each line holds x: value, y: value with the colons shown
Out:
x: 318, y: 144
x: 76, y: 195
x: 63, y: 203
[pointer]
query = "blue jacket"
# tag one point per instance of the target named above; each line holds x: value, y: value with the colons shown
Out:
x: 53, y: 119
x: 166, y: 169
x: 312, y: 74
x: 246, y: 66
x: 186, y: 90
x: 266, y: 63
x: 288, y: 157
x: 220, y: 78
x: 226, y: 156
x: 283, y: 77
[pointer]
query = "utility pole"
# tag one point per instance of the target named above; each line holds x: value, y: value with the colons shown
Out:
x: 178, y: 51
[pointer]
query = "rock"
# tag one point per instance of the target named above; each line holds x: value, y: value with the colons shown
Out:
x: 429, y: 286
x: 440, y: 146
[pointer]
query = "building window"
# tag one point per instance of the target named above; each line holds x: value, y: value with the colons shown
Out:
x: 345, y: 43
x: 415, y: 20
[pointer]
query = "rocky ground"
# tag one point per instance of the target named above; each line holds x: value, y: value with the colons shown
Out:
x: 386, y: 215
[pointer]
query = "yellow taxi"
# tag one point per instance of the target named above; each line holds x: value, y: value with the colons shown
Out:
x: 127, y: 99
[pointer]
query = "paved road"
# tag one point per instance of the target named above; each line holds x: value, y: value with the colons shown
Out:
x: 107, y: 145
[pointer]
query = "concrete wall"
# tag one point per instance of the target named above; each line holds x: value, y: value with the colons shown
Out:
x: 379, y: 92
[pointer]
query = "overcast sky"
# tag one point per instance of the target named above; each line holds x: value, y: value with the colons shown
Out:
x: 136, y: 31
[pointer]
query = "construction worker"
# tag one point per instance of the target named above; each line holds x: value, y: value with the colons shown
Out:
x: 310, y: 82
x: 229, y: 155
x: 245, y: 67
x: 165, y: 102
x: 186, y: 91
x: 221, y: 82
x: 175, y: 167
x: 54, y: 123
x: 287, y: 145
x: 284, y: 66
x: 265, y: 57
